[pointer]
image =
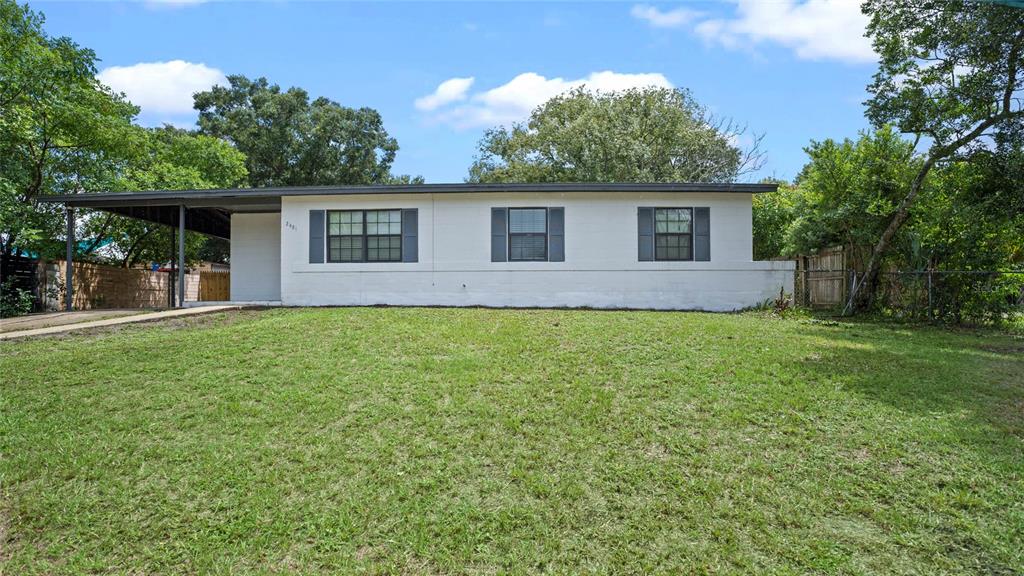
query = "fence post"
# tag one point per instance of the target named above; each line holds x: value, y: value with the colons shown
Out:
x: 806, y: 288
x: 848, y: 309
x: 929, y: 294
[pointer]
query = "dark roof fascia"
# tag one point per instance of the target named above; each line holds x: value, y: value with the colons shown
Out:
x: 249, y: 195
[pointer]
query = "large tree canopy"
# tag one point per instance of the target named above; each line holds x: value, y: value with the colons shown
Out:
x: 289, y: 140
x: 640, y: 135
x: 951, y: 73
x: 172, y: 159
x: 61, y: 131
x: 972, y: 216
x: 849, y: 191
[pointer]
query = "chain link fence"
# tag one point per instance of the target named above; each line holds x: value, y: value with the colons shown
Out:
x: 955, y: 296
x: 825, y: 280
x: 952, y: 296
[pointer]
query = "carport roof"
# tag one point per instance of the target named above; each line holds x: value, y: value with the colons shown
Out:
x: 209, y: 211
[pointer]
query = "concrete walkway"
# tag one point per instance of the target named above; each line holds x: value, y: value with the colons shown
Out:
x: 47, y: 319
x: 143, y: 317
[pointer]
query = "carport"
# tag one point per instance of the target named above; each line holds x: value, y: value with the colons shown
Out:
x: 204, y: 211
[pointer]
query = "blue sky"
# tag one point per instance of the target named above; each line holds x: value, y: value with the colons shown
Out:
x: 441, y: 73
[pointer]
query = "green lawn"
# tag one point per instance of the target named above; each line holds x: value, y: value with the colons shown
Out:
x: 437, y: 441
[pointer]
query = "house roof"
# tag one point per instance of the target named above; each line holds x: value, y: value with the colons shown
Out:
x: 209, y: 211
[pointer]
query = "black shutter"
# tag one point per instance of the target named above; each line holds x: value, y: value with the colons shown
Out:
x: 499, y: 234
x: 556, y: 234
x: 316, y: 236
x: 702, y: 234
x: 410, y: 232
x: 645, y: 238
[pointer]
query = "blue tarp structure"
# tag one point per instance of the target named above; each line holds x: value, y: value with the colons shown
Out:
x: 80, y: 247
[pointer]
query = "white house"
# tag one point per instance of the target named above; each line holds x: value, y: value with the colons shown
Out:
x: 659, y: 246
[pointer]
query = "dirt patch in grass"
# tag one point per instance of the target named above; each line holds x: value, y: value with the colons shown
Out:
x: 1013, y: 348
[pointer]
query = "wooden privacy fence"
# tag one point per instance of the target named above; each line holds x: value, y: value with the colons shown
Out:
x: 822, y: 280
x: 214, y: 286
x: 98, y: 286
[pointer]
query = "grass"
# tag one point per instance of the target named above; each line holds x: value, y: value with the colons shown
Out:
x: 438, y: 441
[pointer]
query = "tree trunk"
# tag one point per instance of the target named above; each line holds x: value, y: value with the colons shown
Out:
x: 7, y: 248
x: 864, y: 292
x: 129, y: 257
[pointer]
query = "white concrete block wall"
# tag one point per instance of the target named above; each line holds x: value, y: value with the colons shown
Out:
x: 255, y: 257
x: 600, y: 270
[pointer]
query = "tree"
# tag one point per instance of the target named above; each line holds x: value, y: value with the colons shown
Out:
x: 849, y: 192
x: 290, y: 141
x: 60, y: 130
x: 950, y: 74
x: 640, y: 135
x: 173, y: 159
x: 972, y: 219
x: 402, y: 180
x: 969, y: 216
x: 973, y: 216
x: 773, y: 213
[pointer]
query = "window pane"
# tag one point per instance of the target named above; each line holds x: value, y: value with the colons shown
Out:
x: 383, y: 248
x: 384, y: 222
x: 672, y: 221
x: 345, y: 249
x: 679, y: 227
x: 672, y: 247
x: 527, y: 247
x: 529, y: 220
x: 344, y: 222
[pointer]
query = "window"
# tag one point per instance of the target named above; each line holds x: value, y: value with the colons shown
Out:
x: 527, y: 234
x: 384, y: 236
x: 673, y: 234
x: 364, y: 236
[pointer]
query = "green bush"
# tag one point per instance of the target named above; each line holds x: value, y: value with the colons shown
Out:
x: 14, y: 301
x: 978, y: 298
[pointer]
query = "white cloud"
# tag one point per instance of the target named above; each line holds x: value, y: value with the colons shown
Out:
x: 658, y: 19
x: 162, y: 87
x: 514, y: 100
x: 451, y: 90
x: 813, y: 29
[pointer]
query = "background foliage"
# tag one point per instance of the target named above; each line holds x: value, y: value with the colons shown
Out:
x: 289, y: 140
x: 639, y: 135
x: 61, y: 131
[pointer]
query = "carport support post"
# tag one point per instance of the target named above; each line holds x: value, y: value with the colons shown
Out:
x: 181, y: 255
x: 68, y: 264
x: 170, y: 273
